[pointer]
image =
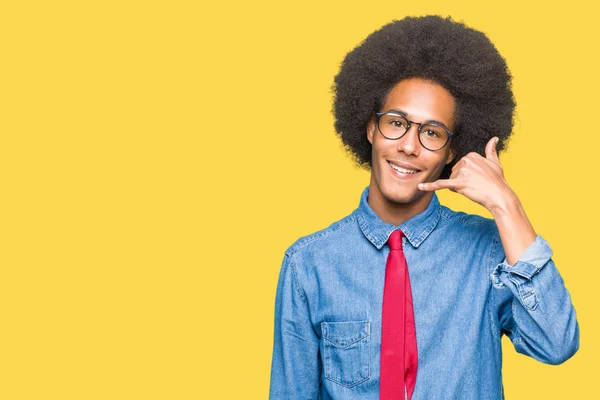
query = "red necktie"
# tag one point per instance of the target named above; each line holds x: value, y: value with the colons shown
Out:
x: 398, y: 337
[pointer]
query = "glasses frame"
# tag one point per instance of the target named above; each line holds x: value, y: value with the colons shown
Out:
x: 381, y: 114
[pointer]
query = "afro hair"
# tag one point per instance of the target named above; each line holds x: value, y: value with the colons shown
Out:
x: 459, y: 58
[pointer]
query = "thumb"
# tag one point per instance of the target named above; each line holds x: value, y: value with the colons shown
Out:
x: 490, y: 149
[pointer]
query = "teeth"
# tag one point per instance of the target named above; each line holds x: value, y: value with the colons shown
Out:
x: 403, y: 170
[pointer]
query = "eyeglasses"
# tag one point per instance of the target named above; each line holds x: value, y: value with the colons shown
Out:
x: 432, y: 135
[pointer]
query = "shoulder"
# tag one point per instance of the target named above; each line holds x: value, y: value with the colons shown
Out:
x: 468, y: 225
x: 476, y: 237
x: 323, y: 237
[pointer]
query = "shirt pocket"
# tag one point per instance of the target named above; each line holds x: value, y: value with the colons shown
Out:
x: 346, y: 351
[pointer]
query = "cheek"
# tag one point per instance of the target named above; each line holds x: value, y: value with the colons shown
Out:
x: 382, y: 148
x: 440, y: 167
x: 375, y: 153
x: 376, y: 160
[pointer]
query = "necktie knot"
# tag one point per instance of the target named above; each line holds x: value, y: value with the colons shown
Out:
x: 395, y: 240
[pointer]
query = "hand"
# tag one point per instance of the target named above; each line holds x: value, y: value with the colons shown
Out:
x: 479, y: 179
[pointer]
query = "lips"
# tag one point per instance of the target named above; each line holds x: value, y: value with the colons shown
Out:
x: 403, y: 168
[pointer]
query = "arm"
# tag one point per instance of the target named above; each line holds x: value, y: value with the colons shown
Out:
x: 529, y: 299
x: 516, y: 231
x: 295, y: 369
x: 531, y: 304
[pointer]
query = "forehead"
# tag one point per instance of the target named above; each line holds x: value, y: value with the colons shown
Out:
x: 421, y: 101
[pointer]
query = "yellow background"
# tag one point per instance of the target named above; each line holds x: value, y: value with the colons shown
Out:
x: 142, y: 237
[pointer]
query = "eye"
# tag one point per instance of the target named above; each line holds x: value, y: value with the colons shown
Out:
x: 431, y: 133
x: 397, y: 123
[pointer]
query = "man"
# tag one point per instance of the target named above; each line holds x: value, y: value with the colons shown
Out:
x: 405, y: 298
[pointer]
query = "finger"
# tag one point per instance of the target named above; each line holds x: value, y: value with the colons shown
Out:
x: 463, y: 162
x: 490, y: 149
x: 439, y: 184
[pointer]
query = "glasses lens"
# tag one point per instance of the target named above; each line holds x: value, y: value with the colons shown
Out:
x: 392, y: 126
x: 433, y: 137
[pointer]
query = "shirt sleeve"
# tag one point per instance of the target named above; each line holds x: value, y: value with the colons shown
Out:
x: 295, y: 370
x: 532, y: 306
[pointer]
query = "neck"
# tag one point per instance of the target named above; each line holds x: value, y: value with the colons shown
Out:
x: 396, y: 213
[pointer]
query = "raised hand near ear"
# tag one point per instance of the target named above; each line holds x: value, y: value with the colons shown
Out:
x: 481, y: 179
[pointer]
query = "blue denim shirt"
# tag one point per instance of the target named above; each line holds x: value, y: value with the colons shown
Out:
x: 465, y: 297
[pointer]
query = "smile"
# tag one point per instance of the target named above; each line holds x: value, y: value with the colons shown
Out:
x: 403, y: 171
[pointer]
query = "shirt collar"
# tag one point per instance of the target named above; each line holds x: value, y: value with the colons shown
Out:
x: 416, y: 229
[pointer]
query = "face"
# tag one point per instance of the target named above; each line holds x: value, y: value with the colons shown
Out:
x: 420, y: 101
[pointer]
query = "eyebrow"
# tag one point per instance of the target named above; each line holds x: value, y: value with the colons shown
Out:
x: 407, y: 116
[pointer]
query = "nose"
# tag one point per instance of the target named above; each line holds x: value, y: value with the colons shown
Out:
x: 409, y: 143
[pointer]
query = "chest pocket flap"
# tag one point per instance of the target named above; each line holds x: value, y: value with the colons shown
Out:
x: 346, y: 352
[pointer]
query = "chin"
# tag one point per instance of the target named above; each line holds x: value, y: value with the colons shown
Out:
x: 401, y: 195
x: 403, y: 198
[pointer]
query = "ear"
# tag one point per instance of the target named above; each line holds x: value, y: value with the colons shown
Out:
x: 370, y: 130
x: 450, y: 156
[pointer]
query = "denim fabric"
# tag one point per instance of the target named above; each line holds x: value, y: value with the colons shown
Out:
x: 465, y: 297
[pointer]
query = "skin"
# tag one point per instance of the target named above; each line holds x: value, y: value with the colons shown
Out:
x: 396, y: 200
x: 480, y: 179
